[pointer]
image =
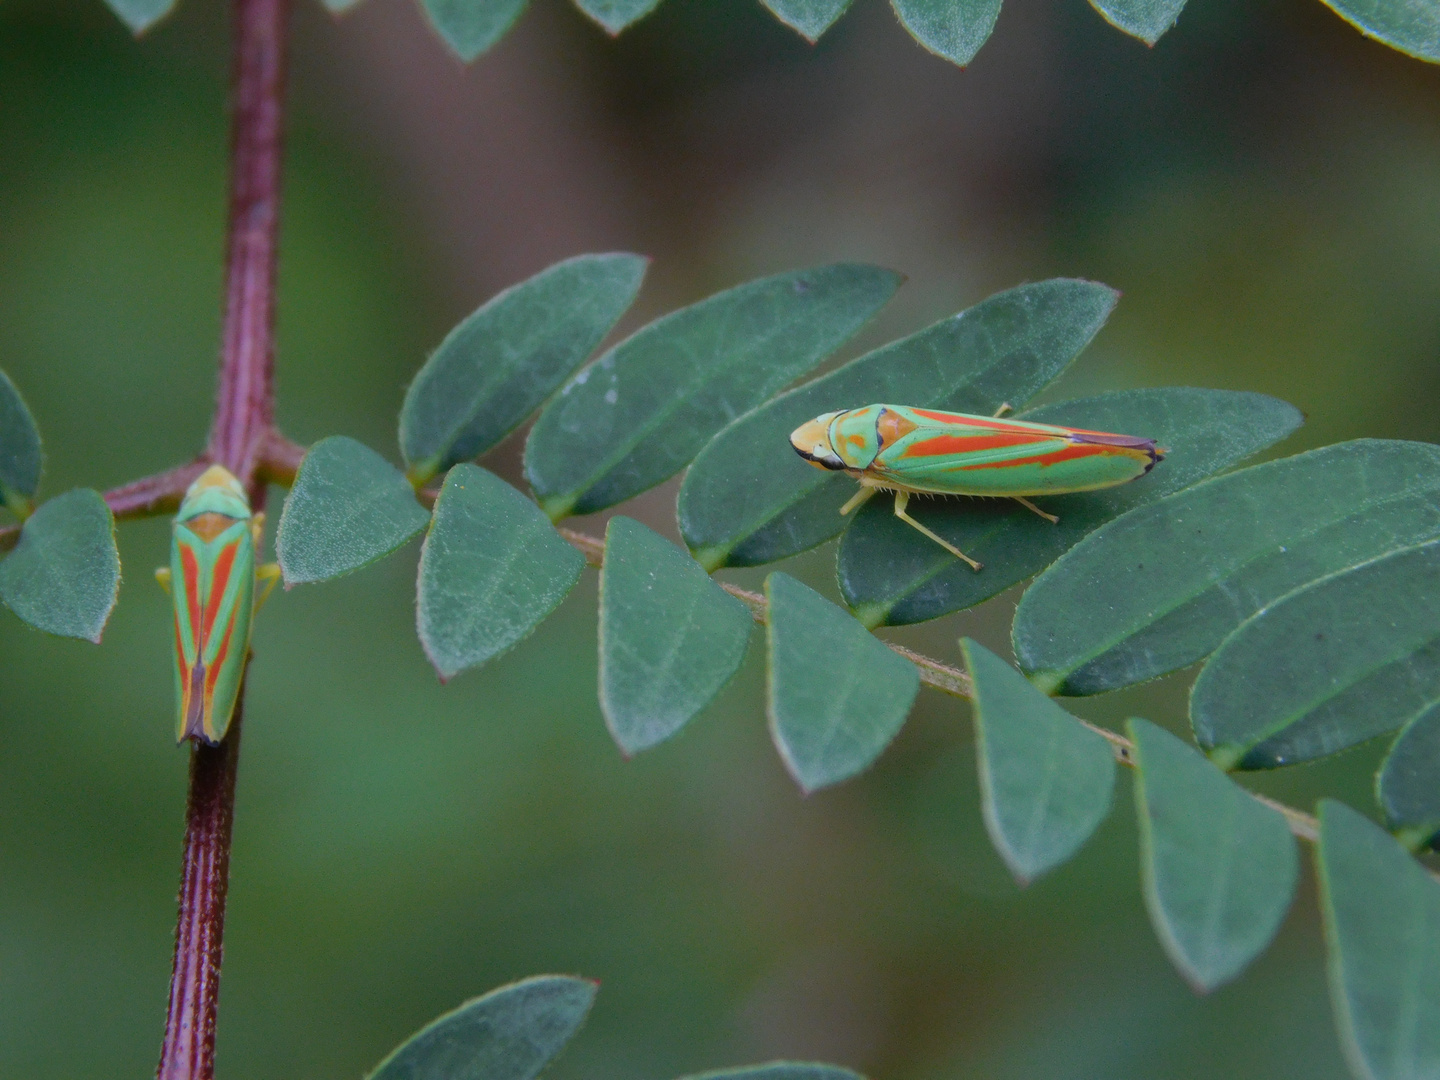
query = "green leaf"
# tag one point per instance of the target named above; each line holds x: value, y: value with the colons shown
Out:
x: 140, y: 15
x: 616, y: 15
x: 749, y: 499
x: 1412, y: 26
x: 809, y: 18
x: 1340, y: 661
x: 502, y: 362
x: 348, y: 508
x: 889, y: 573
x: 490, y: 570
x: 1382, y: 931
x: 1045, y: 779
x: 779, y: 1070
x: 670, y: 638
x: 837, y: 694
x: 19, y: 450
x: 1408, y: 784
x: 954, y: 29
x: 1144, y: 19
x: 639, y: 413
x: 509, y: 1034
x: 472, y: 26
x: 1219, y: 868
x: 1161, y: 587
x: 64, y: 573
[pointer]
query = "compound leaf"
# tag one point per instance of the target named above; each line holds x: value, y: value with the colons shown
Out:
x: 509, y: 1034
x: 670, y: 637
x: 1408, y: 784
x: 1161, y: 587
x: 1337, y: 662
x: 1045, y: 779
x: 64, y: 573
x: 639, y: 413
x: 954, y: 29
x: 1144, y: 19
x: 837, y: 694
x: 890, y: 573
x: 19, y: 449
x: 749, y: 499
x: 1219, y: 869
x: 502, y: 362
x: 809, y: 18
x: 140, y: 15
x: 491, y: 569
x: 1412, y: 26
x: 1382, y: 930
x: 348, y: 508
x: 472, y: 26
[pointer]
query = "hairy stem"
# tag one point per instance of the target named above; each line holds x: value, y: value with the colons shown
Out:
x: 240, y: 440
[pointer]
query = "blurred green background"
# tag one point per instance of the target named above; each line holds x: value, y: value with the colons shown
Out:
x: 1263, y: 187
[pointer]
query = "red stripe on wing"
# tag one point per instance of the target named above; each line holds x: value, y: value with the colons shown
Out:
x: 1067, y: 453
x: 219, y: 579
x: 943, y: 445
x: 216, y: 667
x: 191, y: 570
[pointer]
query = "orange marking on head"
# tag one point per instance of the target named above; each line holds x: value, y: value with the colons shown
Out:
x: 219, y: 579
x: 857, y: 441
x: 941, y: 445
x: 209, y: 525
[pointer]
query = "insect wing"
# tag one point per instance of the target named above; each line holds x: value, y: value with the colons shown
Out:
x: 214, y: 590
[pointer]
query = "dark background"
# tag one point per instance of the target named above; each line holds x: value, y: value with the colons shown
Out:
x: 1263, y: 187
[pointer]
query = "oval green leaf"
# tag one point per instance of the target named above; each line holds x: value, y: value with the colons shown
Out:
x: 779, y: 1070
x: 670, y: 637
x: 749, y: 499
x: 1219, y: 868
x: 809, y: 18
x: 1161, y: 587
x: 472, y: 26
x: 616, y: 15
x: 836, y: 693
x: 509, y: 1034
x: 640, y: 413
x: 1046, y: 779
x: 140, y: 15
x: 1408, y: 784
x: 1412, y: 26
x: 64, y: 573
x: 1144, y: 19
x: 348, y: 508
x: 954, y: 29
x: 502, y: 362
x: 1337, y: 662
x: 491, y: 569
x: 889, y: 573
x: 1382, y: 933
x: 20, y: 458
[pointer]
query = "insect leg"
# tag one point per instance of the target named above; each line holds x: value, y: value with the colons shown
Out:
x: 902, y: 498
x: 162, y: 575
x: 859, y: 499
x: 1032, y: 507
x: 268, y: 575
x: 1005, y: 407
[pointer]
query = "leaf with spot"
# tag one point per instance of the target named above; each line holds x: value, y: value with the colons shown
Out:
x: 1408, y: 784
x: 616, y: 15
x: 954, y: 29
x: 64, y: 573
x: 1161, y: 587
x: 502, y: 362
x: 640, y: 413
x: 491, y: 569
x: 509, y: 1034
x: 1045, y: 778
x: 808, y: 18
x: 1219, y: 869
x: 1342, y: 660
x: 349, y: 507
x: 1412, y: 26
x: 891, y: 574
x: 1144, y: 19
x: 20, y: 457
x: 470, y: 27
x: 670, y: 637
x: 1382, y: 933
x: 749, y: 499
x: 836, y: 693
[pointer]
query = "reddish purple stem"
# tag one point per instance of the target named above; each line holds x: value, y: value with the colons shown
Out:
x: 241, y: 440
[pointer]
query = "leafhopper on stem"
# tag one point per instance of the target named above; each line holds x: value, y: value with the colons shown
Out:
x: 212, y: 579
x: 925, y: 451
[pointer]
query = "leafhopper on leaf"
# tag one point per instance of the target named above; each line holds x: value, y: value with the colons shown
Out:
x: 924, y: 451
x: 212, y: 579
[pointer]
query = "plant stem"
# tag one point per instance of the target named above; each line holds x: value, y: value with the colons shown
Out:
x: 238, y: 440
